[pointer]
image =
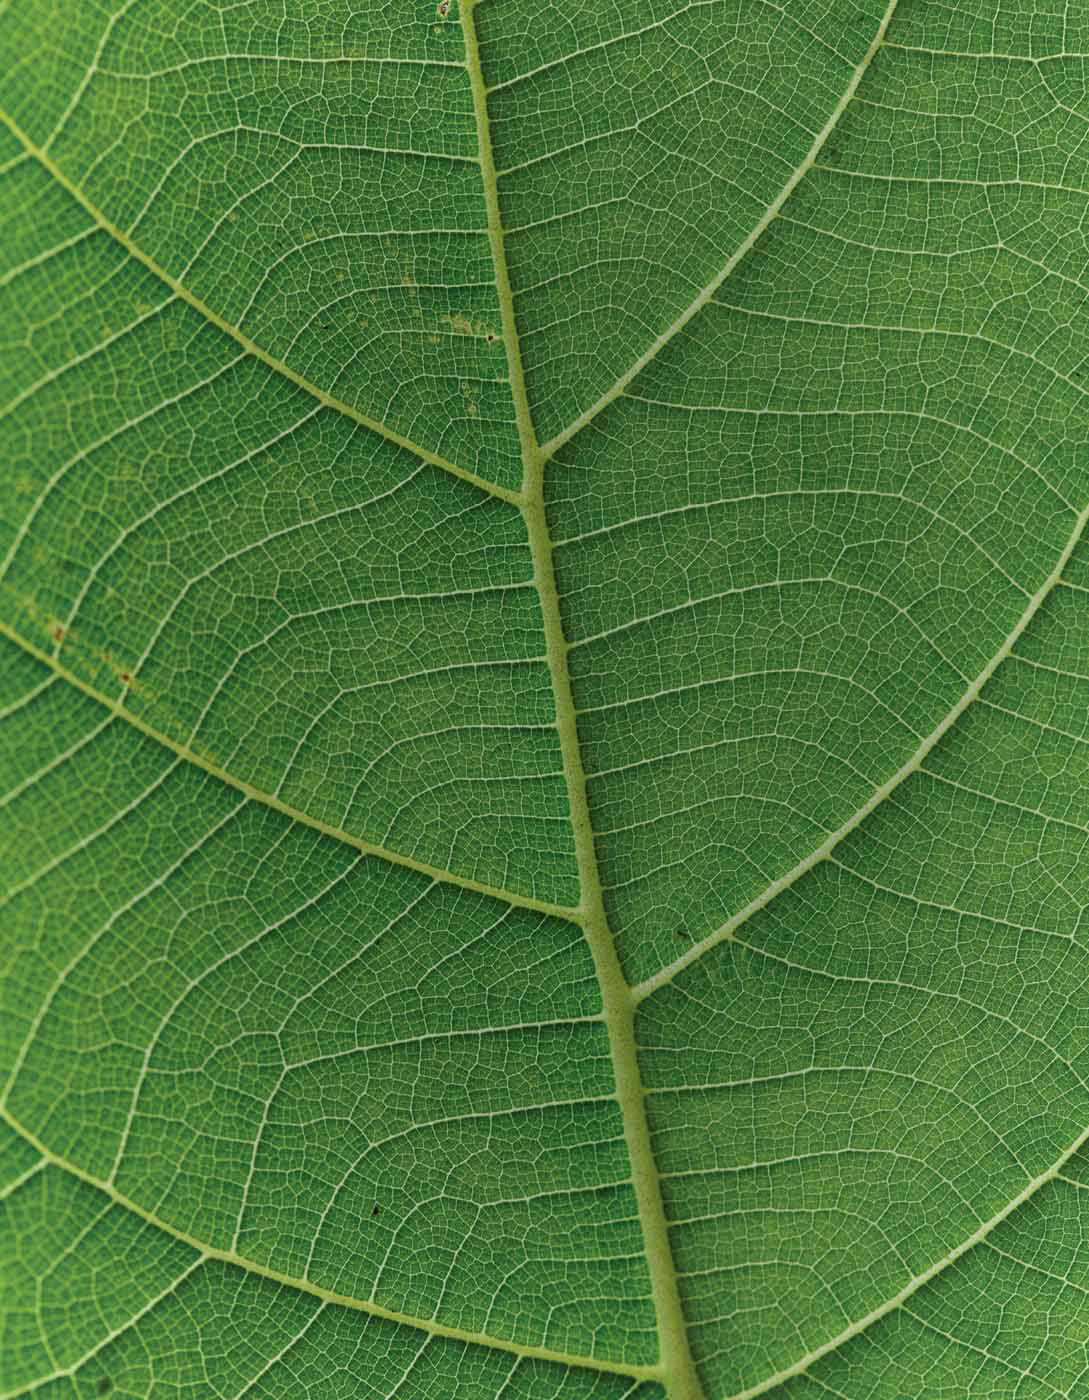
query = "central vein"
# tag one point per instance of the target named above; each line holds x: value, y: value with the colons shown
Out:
x: 677, y: 1368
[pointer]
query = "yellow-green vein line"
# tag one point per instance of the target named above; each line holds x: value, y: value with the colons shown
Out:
x: 677, y: 1368
x: 303, y: 1285
x: 250, y: 346
x: 256, y: 794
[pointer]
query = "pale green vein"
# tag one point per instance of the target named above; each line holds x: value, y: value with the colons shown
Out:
x: 268, y: 799
x: 803, y: 1363
x: 700, y: 300
x: 303, y: 1285
x: 65, y: 1372
x: 250, y: 346
x: 677, y: 1368
x: 913, y: 764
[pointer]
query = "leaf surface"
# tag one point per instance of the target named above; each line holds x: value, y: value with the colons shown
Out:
x: 545, y: 661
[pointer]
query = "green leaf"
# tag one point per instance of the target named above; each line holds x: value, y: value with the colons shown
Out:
x: 545, y: 663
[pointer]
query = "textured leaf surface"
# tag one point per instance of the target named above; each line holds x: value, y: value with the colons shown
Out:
x: 544, y: 675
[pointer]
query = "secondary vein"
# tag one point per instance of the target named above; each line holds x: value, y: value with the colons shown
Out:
x: 359, y: 843
x: 249, y: 345
x: 912, y: 765
x: 704, y: 295
x: 303, y: 1285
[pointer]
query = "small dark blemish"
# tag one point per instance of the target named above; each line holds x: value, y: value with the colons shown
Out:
x: 105, y: 1385
x: 374, y: 1212
x: 58, y: 634
x: 125, y: 678
x: 443, y: 9
x: 680, y: 933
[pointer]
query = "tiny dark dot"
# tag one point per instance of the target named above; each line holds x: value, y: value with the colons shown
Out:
x: 374, y: 1211
x: 125, y: 678
x: 680, y: 933
x: 105, y: 1385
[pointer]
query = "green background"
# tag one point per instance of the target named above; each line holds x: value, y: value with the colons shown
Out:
x: 544, y: 668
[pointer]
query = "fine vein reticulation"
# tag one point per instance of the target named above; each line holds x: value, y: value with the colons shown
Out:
x: 637, y: 1055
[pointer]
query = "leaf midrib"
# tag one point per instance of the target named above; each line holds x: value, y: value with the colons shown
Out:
x: 676, y: 1370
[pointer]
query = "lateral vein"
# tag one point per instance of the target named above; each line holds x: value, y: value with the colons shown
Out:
x: 249, y: 345
x: 914, y: 763
x: 803, y: 1363
x: 255, y: 794
x: 302, y: 1285
x: 700, y: 300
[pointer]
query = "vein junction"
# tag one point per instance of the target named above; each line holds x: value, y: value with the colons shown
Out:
x: 917, y: 419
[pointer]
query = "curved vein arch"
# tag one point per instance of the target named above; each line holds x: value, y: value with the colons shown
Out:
x: 183, y: 752
x: 1032, y: 720
x: 1006, y: 1365
x: 909, y: 897
x: 670, y: 755
x: 1045, y: 817
x: 769, y: 1163
x: 666, y: 974
x: 131, y: 529
x: 933, y: 992
x: 659, y: 23
x: 549, y: 448
x: 862, y: 1070
x: 919, y: 414
x: 889, y: 329
x: 92, y: 836
x: 302, y: 1285
x: 69, y: 1371
x: 90, y: 944
x: 87, y: 294
x: 57, y: 761
x: 209, y: 971
x: 326, y: 238
x: 231, y: 558
x: 425, y: 1037
x: 295, y: 60
x: 250, y: 346
x: 635, y: 521
x: 51, y: 377
x: 28, y: 698
x: 390, y: 681
x: 301, y: 146
x: 781, y: 584
x: 795, y: 672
